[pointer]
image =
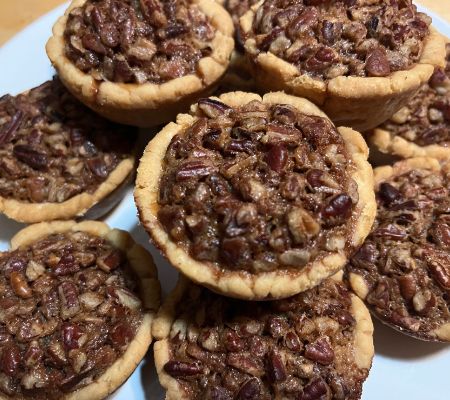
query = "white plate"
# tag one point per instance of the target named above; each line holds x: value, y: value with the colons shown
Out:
x: 403, y: 368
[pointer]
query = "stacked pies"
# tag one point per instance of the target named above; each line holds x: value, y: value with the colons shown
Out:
x: 285, y: 236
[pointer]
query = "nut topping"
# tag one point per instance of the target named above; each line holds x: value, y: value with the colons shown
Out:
x: 64, y: 317
x: 52, y: 148
x: 327, y: 39
x: 260, y: 350
x: 242, y: 189
x: 404, y: 261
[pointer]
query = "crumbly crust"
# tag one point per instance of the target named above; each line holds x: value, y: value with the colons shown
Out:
x: 359, y: 102
x: 410, y: 286
x: 165, y: 321
x: 142, y: 264
x: 146, y: 104
x: 264, y: 285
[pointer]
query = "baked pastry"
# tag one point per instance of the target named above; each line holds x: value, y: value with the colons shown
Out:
x: 141, y: 63
x: 315, y: 345
x: 359, y: 60
x: 77, y: 304
x: 59, y: 160
x: 402, y: 271
x: 256, y: 198
x: 422, y: 127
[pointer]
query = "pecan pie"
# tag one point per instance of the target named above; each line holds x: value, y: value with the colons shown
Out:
x: 360, y: 60
x: 58, y: 159
x: 402, y: 271
x: 422, y: 127
x: 77, y: 304
x: 256, y: 197
x: 141, y: 62
x: 315, y: 345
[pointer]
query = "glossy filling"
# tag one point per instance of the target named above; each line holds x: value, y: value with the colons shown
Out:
x: 426, y: 119
x: 52, y: 148
x: 257, y: 188
x: 329, y: 38
x: 405, y: 262
x: 68, y: 310
x: 138, y: 41
x: 297, y: 348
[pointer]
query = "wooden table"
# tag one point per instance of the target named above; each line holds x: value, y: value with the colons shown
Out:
x: 16, y: 14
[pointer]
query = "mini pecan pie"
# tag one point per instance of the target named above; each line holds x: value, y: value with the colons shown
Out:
x: 256, y: 197
x: 76, y: 307
x: 361, y: 60
x: 58, y: 159
x: 141, y: 62
x: 315, y: 345
x: 402, y: 271
x: 422, y: 127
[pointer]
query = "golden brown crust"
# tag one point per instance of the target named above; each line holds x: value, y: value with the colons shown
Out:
x: 358, y: 102
x: 387, y: 143
x: 382, y: 174
x: 146, y: 104
x: 362, y: 340
x: 76, y: 206
x: 275, y: 284
x: 142, y: 264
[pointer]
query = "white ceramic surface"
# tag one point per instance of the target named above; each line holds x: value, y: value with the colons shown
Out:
x: 403, y: 368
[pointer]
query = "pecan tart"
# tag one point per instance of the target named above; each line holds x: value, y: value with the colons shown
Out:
x: 315, y: 345
x: 141, y: 62
x: 77, y: 304
x: 402, y: 271
x: 58, y: 159
x: 256, y: 198
x: 422, y: 127
x: 360, y: 60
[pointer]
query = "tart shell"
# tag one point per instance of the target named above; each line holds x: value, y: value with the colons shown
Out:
x: 387, y: 143
x: 142, y: 264
x: 110, y: 190
x: 244, y: 285
x: 381, y: 174
x: 147, y: 104
x: 362, y: 340
x: 361, y: 103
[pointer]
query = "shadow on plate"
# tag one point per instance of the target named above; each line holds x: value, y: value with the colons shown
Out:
x: 8, y: 228
x: 149, y: 378
x: 168, y: 275
x: 393, y: 344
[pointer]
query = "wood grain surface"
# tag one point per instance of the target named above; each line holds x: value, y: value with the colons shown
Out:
x: 16, y: 14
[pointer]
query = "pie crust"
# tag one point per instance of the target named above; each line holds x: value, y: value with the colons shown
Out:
x: 359, y: 102
x: 147, y: 104
x: 166, y: 318
x: 357, y: 282
x: 90, y: 205
x: 263, y: 285
x: 142, y: 264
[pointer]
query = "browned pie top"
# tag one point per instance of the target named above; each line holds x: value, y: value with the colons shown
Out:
x: 68, y: 310
x: 53, y: 148
x: 426, y: 118
x: 330, y: 38
x: 297, y: 348
x: 257, y: 186
x: 137, y: 41
x: 405, y: 261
